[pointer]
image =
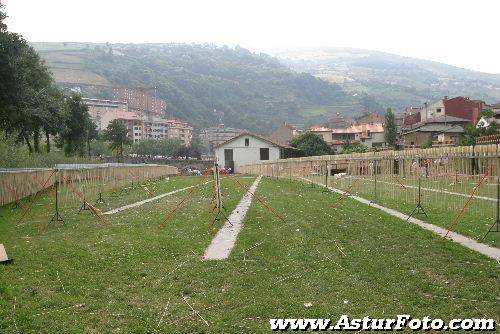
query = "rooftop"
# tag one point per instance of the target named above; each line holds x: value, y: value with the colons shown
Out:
x: 438, y: 128
x: 319, y: 129
x: 375, y: 127
x: 265, y: 139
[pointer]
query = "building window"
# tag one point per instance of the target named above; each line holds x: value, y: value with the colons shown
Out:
x: 438, y: 110
x: 264, y: 153
x: 247, y: 141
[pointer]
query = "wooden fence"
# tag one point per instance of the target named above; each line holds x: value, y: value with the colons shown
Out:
x: 444, y: 181
x: 462, y: 160
x: 19, y: 183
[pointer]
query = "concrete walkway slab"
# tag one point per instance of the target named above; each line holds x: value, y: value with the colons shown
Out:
x: 225, y: 239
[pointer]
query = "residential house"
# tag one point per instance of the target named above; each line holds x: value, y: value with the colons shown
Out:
x: 443, y: 130
x: 323, y: 132
x: 284, y: 134
x: 247, y: 148
x: 459, y: 107
x: 101, y: 111
x: 370, y: 118
x: 369, y: 135
x: 179, y: 130
x: 132, y: 121
x: 495, y: 108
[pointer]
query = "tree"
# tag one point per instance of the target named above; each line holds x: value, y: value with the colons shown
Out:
x: 310, y: 144
x: 116, y: 134
x: 353, y: 148
x: 25, y: 82
x: 53, y: 116
x: 471, y: 133
x: 428, y: 143
x: 390, y: 131
x: 164, y: 147
x: 90, y: 134
x: 76, y: 125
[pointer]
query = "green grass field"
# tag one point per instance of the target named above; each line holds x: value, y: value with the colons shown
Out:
x: 441, y: 208
x: 127, y: 274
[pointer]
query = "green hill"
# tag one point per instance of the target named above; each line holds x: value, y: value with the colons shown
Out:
x: 254, y: 91
x: 392, y: 80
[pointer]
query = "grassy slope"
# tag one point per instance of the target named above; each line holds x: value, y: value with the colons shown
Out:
x: 127, y: 271
x: 254, y: 91
x: 391, y: 79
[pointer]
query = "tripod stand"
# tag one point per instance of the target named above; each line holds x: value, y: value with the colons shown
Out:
x: 419, y: 209
x: 57, y: 216
x: 217, y: 208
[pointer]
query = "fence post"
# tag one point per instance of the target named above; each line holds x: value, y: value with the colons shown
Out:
x: 375, y: 180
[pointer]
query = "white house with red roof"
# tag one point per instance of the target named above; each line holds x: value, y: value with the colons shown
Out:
x: 248, y: 148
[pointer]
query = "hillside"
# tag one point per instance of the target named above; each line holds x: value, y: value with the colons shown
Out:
x: 254, y: 91
x: 392, y: 80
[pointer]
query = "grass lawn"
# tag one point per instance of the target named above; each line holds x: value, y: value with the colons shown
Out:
x: 122, y: 276
x: 441, y: 208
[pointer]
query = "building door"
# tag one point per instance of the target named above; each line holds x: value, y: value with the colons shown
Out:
x: 228, y: 159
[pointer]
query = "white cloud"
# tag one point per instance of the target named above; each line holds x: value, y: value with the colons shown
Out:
x: 461, y: 33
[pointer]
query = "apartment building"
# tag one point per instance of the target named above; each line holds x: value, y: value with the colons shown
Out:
x: 139, y: 125
x: 216, y: 135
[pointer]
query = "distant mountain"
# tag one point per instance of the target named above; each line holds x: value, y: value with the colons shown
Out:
x: 389, y: 79
x: 254, y: 91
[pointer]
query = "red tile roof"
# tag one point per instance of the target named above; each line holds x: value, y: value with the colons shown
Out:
x: 376, y: 127
x: 318, y: 129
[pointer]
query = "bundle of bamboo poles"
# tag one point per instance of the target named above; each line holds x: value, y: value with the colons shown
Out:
x: 16, y: 184
x: 88, y: 179
x: 463, y: 158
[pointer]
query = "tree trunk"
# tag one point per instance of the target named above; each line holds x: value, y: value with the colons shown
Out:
x: 27, y: 140
x: 47, y: 141
x: 36, y: 140
x: 88, y: 146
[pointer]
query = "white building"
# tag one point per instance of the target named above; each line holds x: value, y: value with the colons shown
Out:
x: 248, y: 148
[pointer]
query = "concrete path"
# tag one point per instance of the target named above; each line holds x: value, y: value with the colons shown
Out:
x: 224, y: 241
x: 489, y: 251
x: 136, y: 204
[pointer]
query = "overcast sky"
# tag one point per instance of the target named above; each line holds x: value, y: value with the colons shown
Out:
x: 456, y: 32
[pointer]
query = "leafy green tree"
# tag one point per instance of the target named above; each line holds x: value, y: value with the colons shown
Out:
x: 90, y: 134
x: 471, y: 133
x: 310, y: 144
x: 163, y: 147
x: 24, y: 84
x: 353, y: 148
x: 390, y: 131
x: 53, y: 116
x: 428, y: 143
x: 116, y: 134
x: 99, y: 147
x: 76, y: 125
